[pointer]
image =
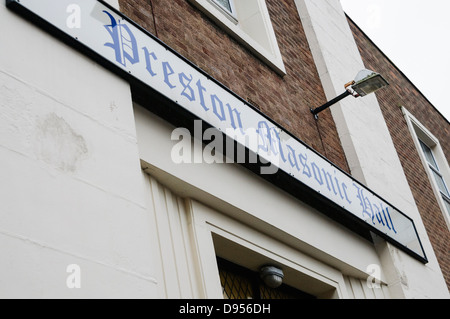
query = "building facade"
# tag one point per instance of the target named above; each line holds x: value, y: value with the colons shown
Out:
x: 412, y: 120
x: 109, y: 192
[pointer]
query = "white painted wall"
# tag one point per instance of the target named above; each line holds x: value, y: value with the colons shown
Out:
x: 367, y: 143
x: 71, y: 187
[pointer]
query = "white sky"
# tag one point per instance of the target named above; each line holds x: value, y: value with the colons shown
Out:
x: 415, y: 35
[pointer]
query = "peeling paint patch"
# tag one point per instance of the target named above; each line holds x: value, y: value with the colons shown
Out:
x: 57, y: 144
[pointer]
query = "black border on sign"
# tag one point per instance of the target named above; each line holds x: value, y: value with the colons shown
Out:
x: 166, y: 109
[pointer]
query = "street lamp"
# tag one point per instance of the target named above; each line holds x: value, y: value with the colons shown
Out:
x: 366, y: 82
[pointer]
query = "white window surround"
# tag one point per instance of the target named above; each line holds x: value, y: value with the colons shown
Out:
x: 230, y: 13
x: 251, y: 26
x: 191, y: 235
x: 251, y: 248
x: 419, y: 131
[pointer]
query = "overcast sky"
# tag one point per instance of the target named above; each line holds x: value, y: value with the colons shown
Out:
x: 415, y: 35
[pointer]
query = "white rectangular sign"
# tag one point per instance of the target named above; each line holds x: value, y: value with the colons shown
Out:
x: 115, y: 38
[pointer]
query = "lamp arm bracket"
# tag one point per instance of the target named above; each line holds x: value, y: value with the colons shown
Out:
x: 349, y: 83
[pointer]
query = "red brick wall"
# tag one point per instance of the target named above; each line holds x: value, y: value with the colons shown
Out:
x: 286, y: 100
x: 402, y: 92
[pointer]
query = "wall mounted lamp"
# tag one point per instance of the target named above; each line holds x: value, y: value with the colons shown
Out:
x: 272, y: 276
x: 366, y: 82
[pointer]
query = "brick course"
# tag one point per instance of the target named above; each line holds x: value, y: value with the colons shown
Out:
x: 402, y: 92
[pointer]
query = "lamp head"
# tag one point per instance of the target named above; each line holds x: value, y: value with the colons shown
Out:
x: 367, y: 82
x: 272, y: 276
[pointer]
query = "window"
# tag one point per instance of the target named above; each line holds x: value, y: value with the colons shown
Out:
x: 443, y: 189
x: 434, y: 161
x: 227, y: 5
x: 248, y: 21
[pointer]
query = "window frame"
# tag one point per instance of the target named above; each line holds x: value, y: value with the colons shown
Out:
x: 230, y: 14
x: 435, y: 169
x: 270, y: 55
x: 421, y: 135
